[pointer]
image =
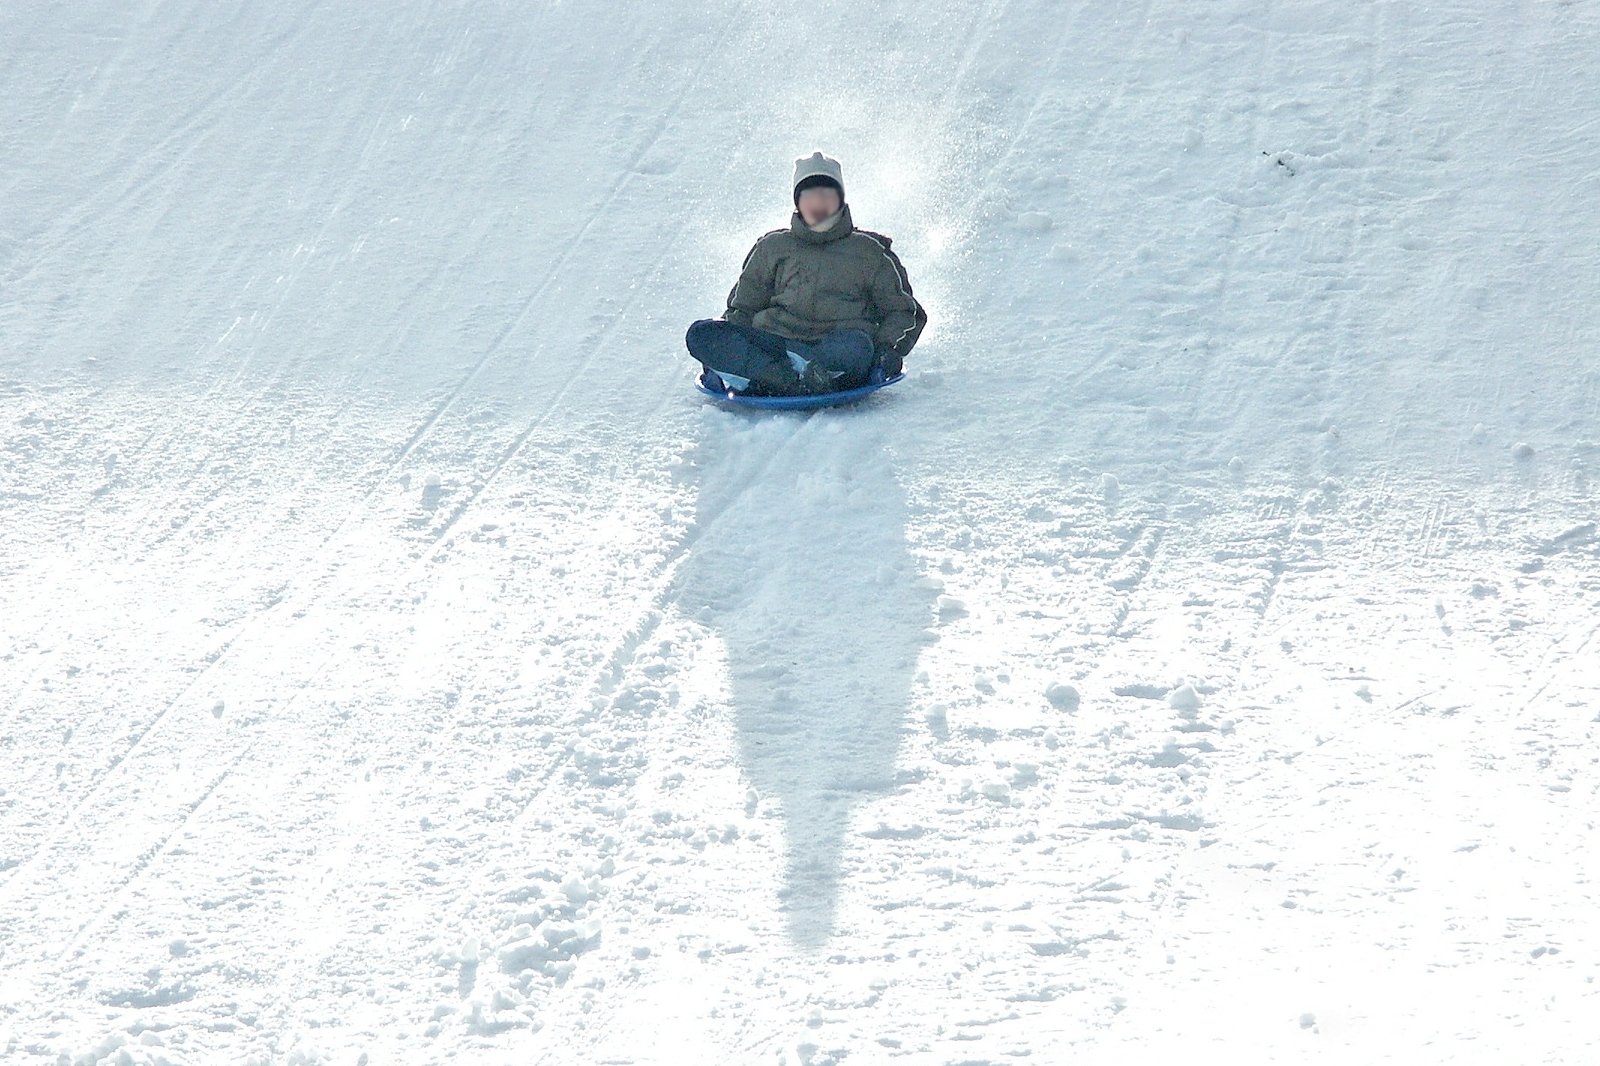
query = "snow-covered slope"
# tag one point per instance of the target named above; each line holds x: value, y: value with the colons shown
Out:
x: 1196, y: 655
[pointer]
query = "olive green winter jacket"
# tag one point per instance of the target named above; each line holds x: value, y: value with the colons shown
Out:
x: 803, y: 284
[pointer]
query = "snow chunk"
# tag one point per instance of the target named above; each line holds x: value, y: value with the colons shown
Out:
x: 1036, y: 221
x: 1062, y: 696
x: 1184, y: 698
x: 580, y: 890
x: 551, y: 948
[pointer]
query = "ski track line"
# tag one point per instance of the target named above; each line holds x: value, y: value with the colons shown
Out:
x: 610, y: 675
x: 1069, y: 32
x: 1430, y: 533
x: 992, y: 15
x: 614, y: 668
x: 67, y: 824
x: 416, y: 438
x: 1554, y: 671
x: 572, y: 245
x: 469, y: 690
x: 1282, y: 516
x: 148, y: 859
x: 1094, y: 128
x: 596, y: 348
x: 167, y: 435
x: 1312, y: 800
x: 1126, y: 580
x: 1161, y: 920
x: 76, y: 221
x: 438, y: 534
x: 1202, y: 368
x: 1276, y: 568
x: 650, y: 619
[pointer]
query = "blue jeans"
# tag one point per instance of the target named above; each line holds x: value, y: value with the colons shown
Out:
x: 744, y: 356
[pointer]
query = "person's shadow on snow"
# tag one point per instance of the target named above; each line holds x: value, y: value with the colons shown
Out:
x: 798, y: 561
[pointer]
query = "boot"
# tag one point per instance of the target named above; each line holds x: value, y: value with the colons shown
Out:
x: 815, y: 379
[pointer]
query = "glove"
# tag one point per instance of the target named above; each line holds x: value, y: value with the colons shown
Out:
x: 891, y: 362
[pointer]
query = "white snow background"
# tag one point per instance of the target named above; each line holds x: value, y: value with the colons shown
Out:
x: 1193, y: 660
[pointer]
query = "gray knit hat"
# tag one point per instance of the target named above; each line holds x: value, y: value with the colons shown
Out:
x: 817, y: 169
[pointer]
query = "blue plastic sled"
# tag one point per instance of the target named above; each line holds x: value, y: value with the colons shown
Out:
x: 792, y: 403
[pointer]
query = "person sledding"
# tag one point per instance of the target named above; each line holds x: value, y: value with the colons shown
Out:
x: 818, y: 305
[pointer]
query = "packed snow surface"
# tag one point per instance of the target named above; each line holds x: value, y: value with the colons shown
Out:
x: 1194, y: 659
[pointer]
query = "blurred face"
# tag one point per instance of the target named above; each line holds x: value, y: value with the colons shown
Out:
x: 818, y: 202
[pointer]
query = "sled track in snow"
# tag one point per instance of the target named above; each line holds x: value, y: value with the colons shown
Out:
x: 572, y: 245
x: 611, y: 672
x: 92, y: 789
x: 156, y: 160
x: 610, y: 675
x: 148, y: 858
x: 318, y: 563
